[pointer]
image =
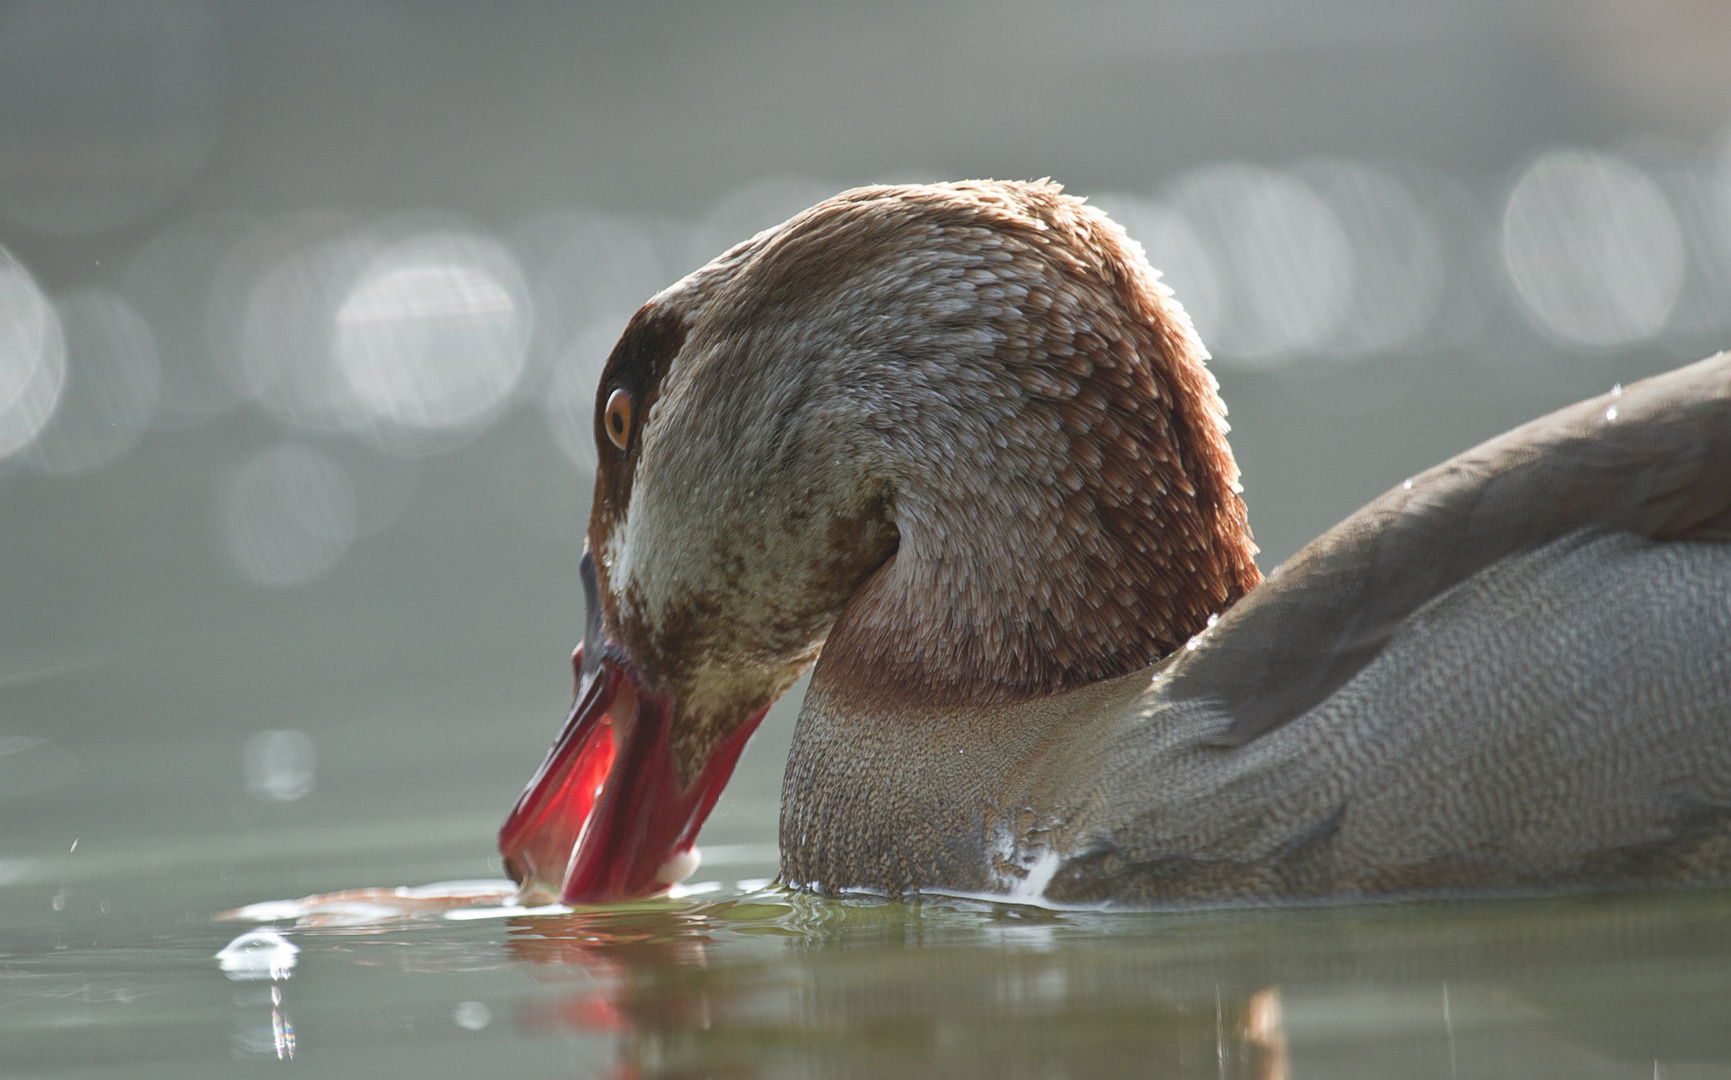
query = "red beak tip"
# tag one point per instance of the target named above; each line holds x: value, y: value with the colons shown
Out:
x: 605, y: 819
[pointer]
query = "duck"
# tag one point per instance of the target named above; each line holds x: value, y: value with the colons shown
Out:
x: 955, y: 450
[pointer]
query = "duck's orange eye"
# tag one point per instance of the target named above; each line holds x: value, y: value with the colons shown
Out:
x: 618, y: 418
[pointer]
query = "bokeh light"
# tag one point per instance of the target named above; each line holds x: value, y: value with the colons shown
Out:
x: 289, y: 516
x: 1592, y: 249
x: 1398, y: 269
x: 273, y: 314
x: 32, y: 357
x: 1285, y: 263
x: 108, y: 108
x: 280, y: 766
x: 434, y: 333
x: 113, y: 379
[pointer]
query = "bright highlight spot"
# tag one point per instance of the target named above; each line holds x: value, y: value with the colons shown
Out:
x: 435, y: 333
x: 472, y: 1015
x: 1593, y: 249
x: 112, y: 386
x: 32, y: 357
x: 258, y: 954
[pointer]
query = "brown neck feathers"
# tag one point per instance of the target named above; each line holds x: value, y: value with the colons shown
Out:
x: 1070, y: 515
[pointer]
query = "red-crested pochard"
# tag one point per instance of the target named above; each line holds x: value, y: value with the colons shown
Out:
x: 957, y: 446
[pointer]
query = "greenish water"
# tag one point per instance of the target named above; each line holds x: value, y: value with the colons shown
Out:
x: 118, y: 975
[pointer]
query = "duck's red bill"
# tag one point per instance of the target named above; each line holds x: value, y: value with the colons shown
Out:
x: 605, y: 817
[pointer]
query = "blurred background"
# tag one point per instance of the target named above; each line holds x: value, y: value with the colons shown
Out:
x: 302, y: 308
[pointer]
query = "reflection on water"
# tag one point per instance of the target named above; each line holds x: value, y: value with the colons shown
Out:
x: 124, y: 975
x: 768, y: 983
x: 876, y: 989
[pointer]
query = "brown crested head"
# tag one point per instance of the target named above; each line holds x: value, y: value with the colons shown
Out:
x: 959, y: 431
x: 956, y: 437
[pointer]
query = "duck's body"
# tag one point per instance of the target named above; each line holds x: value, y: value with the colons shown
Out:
x: 958, y: 439
x: 1451, y: 690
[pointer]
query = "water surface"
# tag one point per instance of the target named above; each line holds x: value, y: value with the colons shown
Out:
x: 118, y: 975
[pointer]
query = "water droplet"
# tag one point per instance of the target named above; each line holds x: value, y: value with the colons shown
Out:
x: 1212, y: 619
x: 1616, y: 389
x: 1611, y: 413
x: 472, y: 1015
x: 1406, y: 485
x: 258, y: 954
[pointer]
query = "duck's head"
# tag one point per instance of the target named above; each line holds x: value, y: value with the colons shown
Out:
x: 958, y: 432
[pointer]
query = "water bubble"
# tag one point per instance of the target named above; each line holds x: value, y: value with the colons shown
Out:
x: 258, y: 954
x: 1285, y: 264
x: 280, y: 765
x: 472, y: 1015
x: 1592, y: 249
x: 108, y: 108
x: 112, y: 384
x: 32, y: 357
x: 289, y: 516
x: 433, y: 335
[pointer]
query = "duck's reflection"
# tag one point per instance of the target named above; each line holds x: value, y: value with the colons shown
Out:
x: 686, y: 1003
x: 779, y: 985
